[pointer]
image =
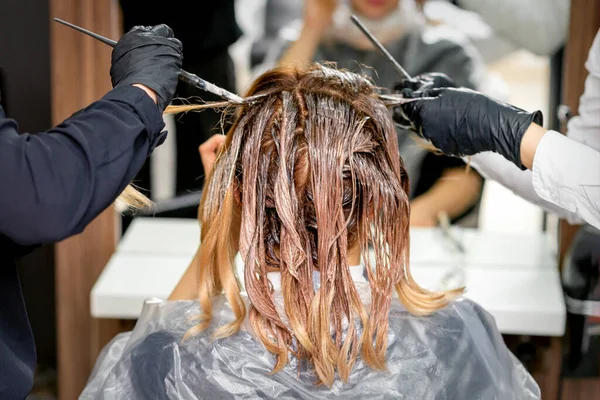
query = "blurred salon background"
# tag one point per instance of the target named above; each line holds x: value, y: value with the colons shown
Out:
x: 527, y: 52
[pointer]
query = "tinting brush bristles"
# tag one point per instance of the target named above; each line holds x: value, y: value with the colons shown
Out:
x: 200, y: 83
x: 392, y: 100
x: 396, y: 99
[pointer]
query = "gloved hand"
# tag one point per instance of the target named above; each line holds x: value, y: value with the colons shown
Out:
x: 150, y: 56
x: 433, y: 80
x: 406, y: 87
x: 464, y: 122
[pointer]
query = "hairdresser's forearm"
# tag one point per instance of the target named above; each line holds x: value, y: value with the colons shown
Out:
x: 453, y: 193
x: 529, y: 143
x: 564, y: 172
x: 55, y: 183
x: 303, y: 50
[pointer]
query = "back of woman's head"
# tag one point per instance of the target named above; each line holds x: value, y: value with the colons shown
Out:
x: 309, y: 170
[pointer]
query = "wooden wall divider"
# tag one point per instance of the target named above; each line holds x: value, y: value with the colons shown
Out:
x: 80, y: 75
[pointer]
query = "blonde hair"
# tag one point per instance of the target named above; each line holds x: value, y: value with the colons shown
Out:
x: 310, y: 168
x: 132, y: 198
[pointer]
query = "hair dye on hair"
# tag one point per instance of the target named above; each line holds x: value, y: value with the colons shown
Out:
x: 310, y: 168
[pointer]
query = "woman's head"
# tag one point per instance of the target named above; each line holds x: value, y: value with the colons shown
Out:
x: 374, y: 9
x: 309, y: 170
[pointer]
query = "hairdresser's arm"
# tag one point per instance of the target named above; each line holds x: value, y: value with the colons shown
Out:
x: 540, y: 26
x: 563, y: 175
x: 54, y: 183
x: 462, y: 122
x: 456, y: 191
x: 564, y: 172
x: 318, y: 15
x: 495, y: 167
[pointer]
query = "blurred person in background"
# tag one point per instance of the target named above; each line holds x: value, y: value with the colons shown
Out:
x: 497, y: 28
x: 206, y: 30
x: 441, y: 184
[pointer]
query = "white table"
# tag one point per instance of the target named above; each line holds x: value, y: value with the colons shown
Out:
x: 514, y: 277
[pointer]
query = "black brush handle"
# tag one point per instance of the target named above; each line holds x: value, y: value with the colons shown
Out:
x: 379, y: 46
x: 101, y: 38
x: 184, y: 76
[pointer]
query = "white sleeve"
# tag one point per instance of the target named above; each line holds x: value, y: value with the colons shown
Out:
x: 566, y: 170
x: 495, y: 167
x: 585, y: 127
x: 565, y: 178
x: 567, y: 173
x: 540, y: 26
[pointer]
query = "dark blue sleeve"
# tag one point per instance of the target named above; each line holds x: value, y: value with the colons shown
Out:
x: 54, y: 183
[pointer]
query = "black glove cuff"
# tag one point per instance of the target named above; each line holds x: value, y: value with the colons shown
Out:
x: 526, y: 120
x: 538, y: 118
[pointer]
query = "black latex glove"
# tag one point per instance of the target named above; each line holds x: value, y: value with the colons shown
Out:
x: 464, y: 122
x: 150, y: 56
x: 422, y: 82
x: 419, y: 83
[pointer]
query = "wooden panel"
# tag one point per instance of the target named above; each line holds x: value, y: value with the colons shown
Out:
x: 581, y: 389
x: 547, y: 371
x: 80, y: 75
x: 585, y: 21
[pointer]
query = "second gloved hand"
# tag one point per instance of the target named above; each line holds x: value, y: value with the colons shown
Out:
x: 432, y: 80
x: 150, y: 56
x: 464, y: 122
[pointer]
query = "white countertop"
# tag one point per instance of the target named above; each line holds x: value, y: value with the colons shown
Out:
x: 514, y: 277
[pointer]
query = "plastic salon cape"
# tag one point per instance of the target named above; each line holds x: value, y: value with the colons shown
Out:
x: 456, y: 353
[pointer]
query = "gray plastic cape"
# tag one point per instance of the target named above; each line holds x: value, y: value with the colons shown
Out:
x: 457, y: 353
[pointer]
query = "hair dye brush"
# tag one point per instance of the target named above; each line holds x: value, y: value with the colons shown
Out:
x: 184, y: 76
x: 380, y: 47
